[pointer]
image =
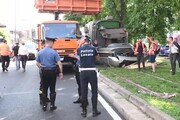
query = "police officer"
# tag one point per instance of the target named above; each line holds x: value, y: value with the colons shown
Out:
x: 88, y: 55
x: 77, y: 76
x: 46, y: 60
x: 41, y: 81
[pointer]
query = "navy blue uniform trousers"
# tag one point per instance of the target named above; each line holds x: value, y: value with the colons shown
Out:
x: 88, y: 76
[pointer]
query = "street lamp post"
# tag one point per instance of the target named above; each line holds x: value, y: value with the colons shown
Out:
x: 15, y: 21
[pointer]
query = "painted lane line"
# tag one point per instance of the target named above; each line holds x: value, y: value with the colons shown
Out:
x: 108, y: 108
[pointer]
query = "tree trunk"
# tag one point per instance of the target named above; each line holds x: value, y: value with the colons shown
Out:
x: 122, y: 12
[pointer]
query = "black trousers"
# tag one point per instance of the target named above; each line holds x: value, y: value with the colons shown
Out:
x: 173, y: 58
x: 24, y: 60
x: 77, y: 75
x: 48, y: 80
x: 140, y: 58
x: 41, y: 81
x: 88, y: 76
x: 178, y: 59
x: 5, y: 61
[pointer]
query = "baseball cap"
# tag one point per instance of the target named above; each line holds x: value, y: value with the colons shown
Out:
x: 50, y: 39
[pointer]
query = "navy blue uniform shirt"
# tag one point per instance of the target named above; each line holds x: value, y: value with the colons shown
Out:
x: 48, y: 57
x: 87, y: 54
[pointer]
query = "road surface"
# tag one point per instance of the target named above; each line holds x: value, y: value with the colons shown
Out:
x: 19, y: 98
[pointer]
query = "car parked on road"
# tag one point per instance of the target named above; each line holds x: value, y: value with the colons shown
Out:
x: 164, y: 50
x: 32, y: 49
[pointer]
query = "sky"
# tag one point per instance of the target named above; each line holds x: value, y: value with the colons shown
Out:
x: 21, y: 14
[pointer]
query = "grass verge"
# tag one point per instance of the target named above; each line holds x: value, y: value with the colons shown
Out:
x: 161, y: 82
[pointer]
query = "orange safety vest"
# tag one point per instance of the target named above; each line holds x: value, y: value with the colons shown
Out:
x: 4, y: 49
x: 153, y: 47
x: 136, y: 48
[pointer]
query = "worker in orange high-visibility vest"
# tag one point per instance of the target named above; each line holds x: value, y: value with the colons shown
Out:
x: 152, y: 53
x: 5, y: 52
x: 139, y: 51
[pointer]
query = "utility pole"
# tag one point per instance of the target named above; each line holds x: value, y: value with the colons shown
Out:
x: 15, y: 21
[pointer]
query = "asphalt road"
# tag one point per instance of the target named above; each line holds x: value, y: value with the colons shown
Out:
x: 19, y: 98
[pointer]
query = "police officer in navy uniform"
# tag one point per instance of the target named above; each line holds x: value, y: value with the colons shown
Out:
x: 47, y: 60
x: 41, y: 81
x: 88, y: 56
x: 77, y: 76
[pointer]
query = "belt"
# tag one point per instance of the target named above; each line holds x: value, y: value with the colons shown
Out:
x: 85, y: 69
x: 46, y: 68
x: 174, y: 53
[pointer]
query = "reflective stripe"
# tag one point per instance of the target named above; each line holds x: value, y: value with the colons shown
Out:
x: 84, y: 69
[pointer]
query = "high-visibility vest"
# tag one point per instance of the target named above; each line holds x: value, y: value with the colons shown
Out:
x: 136, y: 47
x: 4, y: 49
x: 153, y: 47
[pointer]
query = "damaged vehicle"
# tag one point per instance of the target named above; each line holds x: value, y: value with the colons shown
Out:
x: 112, y: 42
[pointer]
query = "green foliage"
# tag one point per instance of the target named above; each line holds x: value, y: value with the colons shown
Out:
x: 83, y: 19
x: 140, y: 17
x: 4, y: 33
x: 150, y: 17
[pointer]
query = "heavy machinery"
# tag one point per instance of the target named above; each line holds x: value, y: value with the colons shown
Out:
x: 66, y: 32
x: 112, y: 39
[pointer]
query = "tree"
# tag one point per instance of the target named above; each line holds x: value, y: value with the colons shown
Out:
x: 4, y: 33
x: 140, y: 17
x: 149, y: 17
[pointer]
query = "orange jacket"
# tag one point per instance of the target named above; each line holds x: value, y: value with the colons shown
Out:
x: 4, y: 49
x: 136, y: 48
x: 153, y: 47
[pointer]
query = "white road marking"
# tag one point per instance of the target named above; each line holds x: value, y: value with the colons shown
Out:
x: 108, y: 108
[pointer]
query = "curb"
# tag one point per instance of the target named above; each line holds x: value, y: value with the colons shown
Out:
x: 146, y: 108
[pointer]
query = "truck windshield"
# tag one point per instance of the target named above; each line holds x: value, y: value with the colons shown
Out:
x: 60, y: 30
x: 109, y: 24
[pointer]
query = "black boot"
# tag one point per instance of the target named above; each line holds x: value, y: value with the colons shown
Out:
x: 84, y: 113
x: 53, y: 97
x: 84, y: 110
x: 40, y: 99
x: 44, y: 104
x: 78, y: 100
x: 87, y: 103
x: 95, y: 111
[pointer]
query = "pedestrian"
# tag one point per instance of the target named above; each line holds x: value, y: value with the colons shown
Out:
x: 5, y: 52
x: 140, y: 51
x: 88, y: 56
x: 47, y: 60
x: 16, y: 57
x: 178, y: 46
x: 23, y: 54
x: 173, y: 54
x: 152, y: 53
